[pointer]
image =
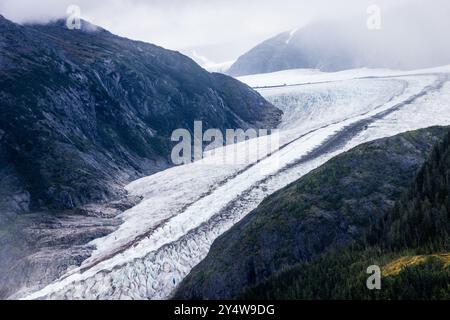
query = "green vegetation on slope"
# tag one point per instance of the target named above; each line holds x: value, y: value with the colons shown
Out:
x: 332, y: 207
x: 411, y: 243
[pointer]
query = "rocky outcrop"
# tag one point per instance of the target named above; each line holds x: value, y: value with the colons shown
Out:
x: 37, y: 248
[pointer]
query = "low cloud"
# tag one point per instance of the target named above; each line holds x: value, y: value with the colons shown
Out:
x: 220, y: 29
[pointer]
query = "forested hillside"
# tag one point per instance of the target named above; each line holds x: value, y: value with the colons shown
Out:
x: 339, y: 205
x: 411, y: 243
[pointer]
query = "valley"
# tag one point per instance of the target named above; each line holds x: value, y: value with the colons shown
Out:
x: 185, y: 209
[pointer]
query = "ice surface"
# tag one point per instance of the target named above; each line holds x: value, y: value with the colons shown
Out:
x: 308, y: 76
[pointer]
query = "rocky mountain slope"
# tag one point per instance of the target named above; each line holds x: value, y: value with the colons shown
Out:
x: 85, y: 111
x: 331, y: 207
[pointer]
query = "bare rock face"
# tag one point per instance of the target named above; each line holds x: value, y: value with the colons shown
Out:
x: 37, y: 248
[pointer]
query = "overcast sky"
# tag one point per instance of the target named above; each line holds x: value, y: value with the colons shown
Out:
x: 219, y: 29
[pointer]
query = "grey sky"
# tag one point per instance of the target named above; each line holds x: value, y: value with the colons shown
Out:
x: 218, y: 29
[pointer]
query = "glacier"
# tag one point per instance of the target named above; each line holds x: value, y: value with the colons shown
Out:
x: 185, y: 208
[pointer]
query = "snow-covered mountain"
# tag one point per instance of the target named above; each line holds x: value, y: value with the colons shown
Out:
x: 184, y: 209
x: 210, y: 65
x: 409, y: 37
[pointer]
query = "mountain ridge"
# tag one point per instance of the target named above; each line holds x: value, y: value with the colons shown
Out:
x: 405, y: 41
x: 114, y: 103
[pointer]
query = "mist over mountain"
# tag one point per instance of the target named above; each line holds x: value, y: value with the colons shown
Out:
x: 410, y: 37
